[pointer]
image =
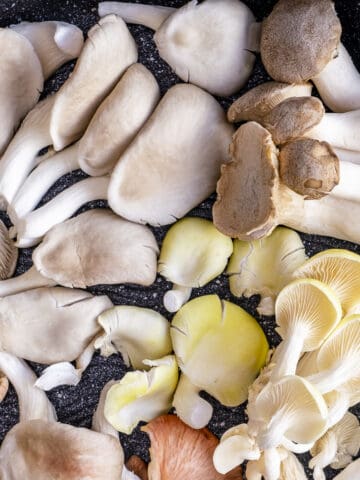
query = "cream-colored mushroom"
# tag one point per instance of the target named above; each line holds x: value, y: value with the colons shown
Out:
x: 49, y: 325
x: 174, y: 161
x: 54, y: 42
x: 191, y: 39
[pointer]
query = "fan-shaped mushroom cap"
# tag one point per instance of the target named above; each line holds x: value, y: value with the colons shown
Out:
x: 49, y: 325
x: 8, y: 253
x: 21, y: 80
x: 117, y: 120
x: 174, y: 161
x: 43, y: 450
x: 259, y: 101
x: 54, y: 42
x: 309, y: 167
x: 299, y: 38
x: 108, y: 51
x: 97, y: 247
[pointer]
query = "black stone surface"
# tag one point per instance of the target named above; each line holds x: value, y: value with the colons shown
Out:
x: 75, y: 405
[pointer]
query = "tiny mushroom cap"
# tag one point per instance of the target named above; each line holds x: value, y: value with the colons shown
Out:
x: 309, y: 167
x: 306, y: 311
x: 193, y: 253
x: 258, y: 102
x: 137, y: 333
x: 42, y: 450
x: 178, y: 451
x: 299, y: 38
x: 8, y: 253
x: 265, y: 266
x: 142, y: 396
x: 21, y: 82
x: 290, y: 408
x: 54, y: 42
x: 174, y: 162
x: 49, y: 325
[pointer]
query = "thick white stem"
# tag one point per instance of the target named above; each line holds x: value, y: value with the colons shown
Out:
x: 349, y: 184
x: 20, y: 156
x: 272, y: 464
x: 339, y: 130
x: 60, y: 208
x: 272, y: 436
x: 329, y: 380
x: 347, y: 155
x: 27, y: 281
x: 151, y: 16
x: 40, y: 180
x: 174, y: 299
x: 339, y: 83
x: 33, y: 403
x: 287, y: 355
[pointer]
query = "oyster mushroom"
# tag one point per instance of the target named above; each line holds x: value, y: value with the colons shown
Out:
x: 96, y: 247
x: 300, y: 41
x: 174, y: 161
x: 49, y: 325
x: 54, y: 42
x: 191, y: 40
x: 193, y: 253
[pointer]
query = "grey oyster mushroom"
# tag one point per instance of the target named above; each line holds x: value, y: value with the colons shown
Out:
x: 300, y: 40
x: 95, y: 247
x: 174, y: 162
x: 191, y: 40
x: 61, y: 119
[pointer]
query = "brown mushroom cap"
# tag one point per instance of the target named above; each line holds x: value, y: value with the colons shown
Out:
x: 293, y: 118
x: 259, y: 101
x: 299, y: 38
x: 244, y: 203
x: 309, y: 167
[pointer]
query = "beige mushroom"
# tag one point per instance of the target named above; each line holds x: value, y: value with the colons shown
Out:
x: 54, y: 42
x: 8, y: 253
x: 174, y: 162
x: 300, y: 40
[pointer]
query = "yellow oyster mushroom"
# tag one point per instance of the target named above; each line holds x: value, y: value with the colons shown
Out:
x: 220, y: 348
x: 265, y: 266
x: 142, y: 396
x: 193, y: 253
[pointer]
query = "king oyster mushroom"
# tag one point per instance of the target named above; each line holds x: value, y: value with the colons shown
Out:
x: 300, y: 40
x: 192, y: 40
x: 96, y: 247
x: 174, y: 161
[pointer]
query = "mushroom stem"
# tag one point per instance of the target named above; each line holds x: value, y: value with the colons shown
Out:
x: 27, y: 281
x: 296, y: 447
x: 190, y: 407
x: 33, y: 403
x: 288, y: 353
x: 40, y: 180
x: 20, y: 156
x: 338, y: 409
x: 348, y: 186
x: 175, y: 298
x: 330, y: 379
x: 151, y: 16
x: 345, y: 155
x: 40, y: 221
x: 339, y: 83
x: 272, y: 463
x: 273, y: 434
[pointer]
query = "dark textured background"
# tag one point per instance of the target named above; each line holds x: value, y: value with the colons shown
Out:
x: 75, y: 405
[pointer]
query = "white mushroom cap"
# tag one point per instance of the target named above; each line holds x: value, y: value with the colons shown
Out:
x: 21, y: 80
x: 174, y: 161
x: 54, y: 42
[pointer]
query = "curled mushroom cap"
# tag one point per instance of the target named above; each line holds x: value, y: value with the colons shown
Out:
x: 49, y: 325
x: 54, y: 42
x: 309, y: 167
x: 21, y: 82
x: 178, y: 451
x: 259, y: 101
x: 299, y: 39
x: 43, y: 450
x: 174, y: 161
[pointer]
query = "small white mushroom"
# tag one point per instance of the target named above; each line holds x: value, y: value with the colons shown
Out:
x: 54, y: 42
x: 174, y: 161
x: 191, y: 39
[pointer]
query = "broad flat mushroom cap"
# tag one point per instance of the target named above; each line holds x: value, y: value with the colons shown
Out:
x: 299, y: 38
x: 309, y: 167
x: 245, y: 202
x: 43, y: 450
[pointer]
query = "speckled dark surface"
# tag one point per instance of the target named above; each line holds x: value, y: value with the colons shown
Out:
x: 75, y: 405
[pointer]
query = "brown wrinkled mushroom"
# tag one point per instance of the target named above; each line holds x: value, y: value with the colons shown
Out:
x: 259, y: 101
x: 178, y: 451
